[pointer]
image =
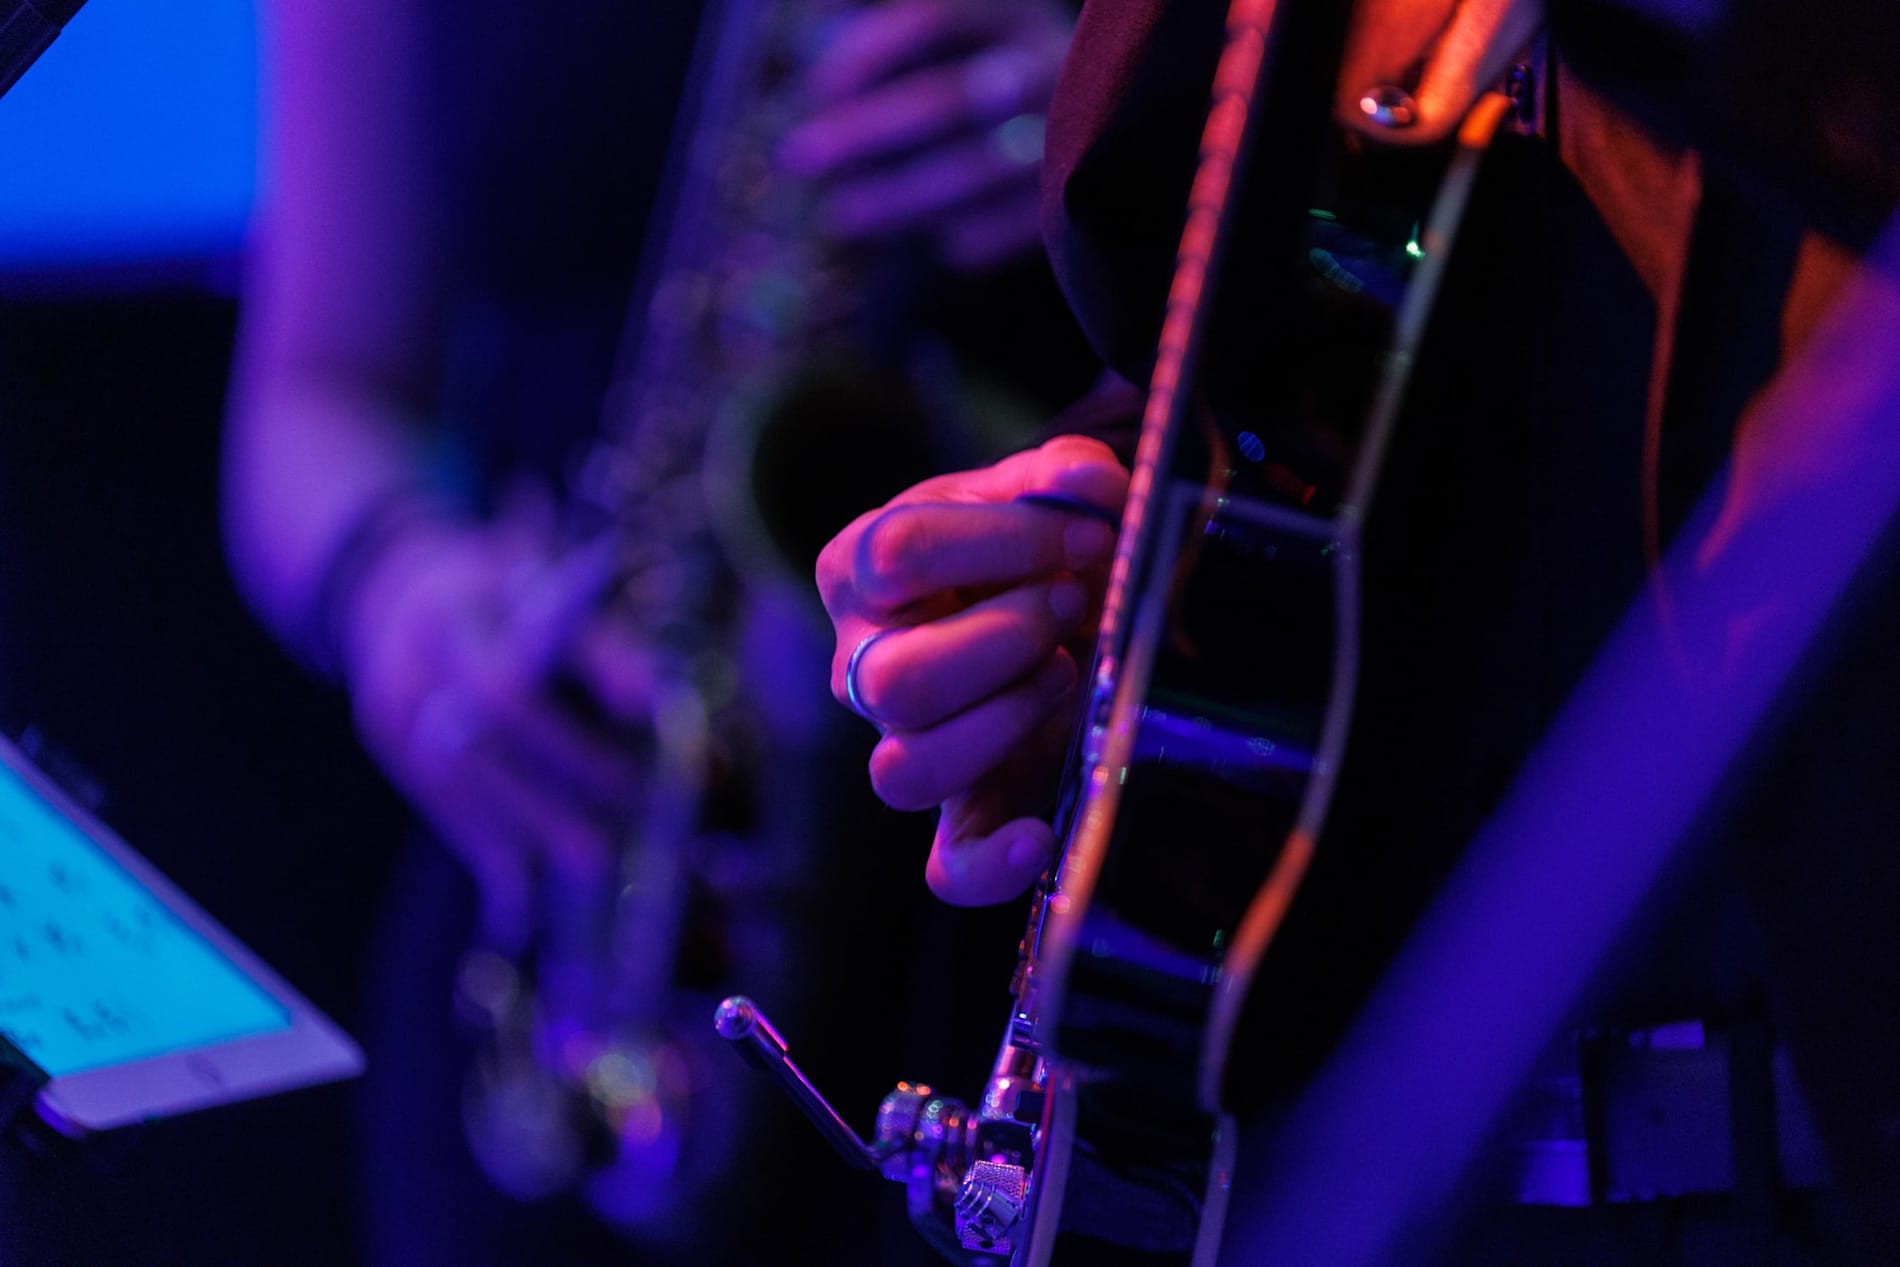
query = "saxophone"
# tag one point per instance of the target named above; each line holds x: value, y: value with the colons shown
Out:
x: 595, y: 1063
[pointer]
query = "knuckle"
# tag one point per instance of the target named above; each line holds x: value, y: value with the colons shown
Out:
x: 834, y: 593
x: 888, y: 549
x: 897, y: 778
x: 833, y: 573
x: 1078, y: 448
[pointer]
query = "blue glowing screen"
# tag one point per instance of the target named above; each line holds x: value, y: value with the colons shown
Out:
x: 94, y: 970
x: 133, y: 138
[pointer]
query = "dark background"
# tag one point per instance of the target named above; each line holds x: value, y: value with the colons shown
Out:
x: 123, y: 640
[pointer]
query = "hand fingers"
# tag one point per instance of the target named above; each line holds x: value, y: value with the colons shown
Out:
x: 478, y: 735
x: 500, y: 866
x: 617, y: 670
x: 1472, y: 55
x: 600, y: 773
x: 881, y: 41
x: 985, y: 849
x: 502, y: 825
x: 910, y: 553
x: 1387, y: 45
x: 914, y: 678
x: 554, y: 598
x: 913, y: 770
x: 929, y: 193
x: 905, y: 78
x: 565, y: 688
x: 981, y: 870
x: 1078, y: 466
x: 538, y: 818
x: 1445, y: 52
x: 915, y: 113
x: 890, y: 557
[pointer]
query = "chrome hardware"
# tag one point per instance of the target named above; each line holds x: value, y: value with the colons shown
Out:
x: 899, y: 1119
x: 966, y: 1175
x: 1007, y: 1095
x: 739, y: 1021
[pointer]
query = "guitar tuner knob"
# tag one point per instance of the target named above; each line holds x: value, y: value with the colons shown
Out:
x: 990, y: 1203
x: 900, y: 1118
x: 965, y: 1174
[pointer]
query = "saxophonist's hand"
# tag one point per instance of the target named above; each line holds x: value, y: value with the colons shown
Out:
x: 490, y: 690
x: 967, y: 612
x: 927, y: 120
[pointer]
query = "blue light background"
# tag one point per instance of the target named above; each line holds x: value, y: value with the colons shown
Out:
x: 133, y: 139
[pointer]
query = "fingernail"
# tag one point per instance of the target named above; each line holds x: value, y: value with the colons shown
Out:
x: 1068, y: 600
x: 1030, y: 852
x: 1086, y: 542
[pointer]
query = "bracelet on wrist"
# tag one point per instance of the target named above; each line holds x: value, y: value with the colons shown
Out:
x: 377, y: 523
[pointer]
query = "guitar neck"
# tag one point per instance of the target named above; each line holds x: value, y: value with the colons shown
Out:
x: 1224, y: 682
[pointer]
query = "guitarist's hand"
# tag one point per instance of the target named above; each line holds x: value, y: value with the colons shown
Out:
x: 455, y: 642
x: 1445, y: 51
x: 927, y: 123
x: 982, y: 607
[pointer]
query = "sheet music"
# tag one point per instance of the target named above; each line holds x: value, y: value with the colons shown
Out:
x: 95, y: 970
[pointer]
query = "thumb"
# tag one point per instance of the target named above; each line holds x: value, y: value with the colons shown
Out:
x: 969, y: 867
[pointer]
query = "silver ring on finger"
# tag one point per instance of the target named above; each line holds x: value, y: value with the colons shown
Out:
x: 853, y: 696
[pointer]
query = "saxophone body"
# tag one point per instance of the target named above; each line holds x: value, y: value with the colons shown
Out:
x: 596, y: 1074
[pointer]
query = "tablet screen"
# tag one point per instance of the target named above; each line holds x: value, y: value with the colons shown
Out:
x: 94, y: 970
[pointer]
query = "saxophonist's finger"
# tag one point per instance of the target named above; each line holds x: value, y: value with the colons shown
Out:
x: 576, y: 840
x: 618, y: 670
x: 564, y: 740
x: 552, y: 600
x: 574, y: 760
x: 879, y: 126
x: 879, y: 41
x: 926, y: 191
